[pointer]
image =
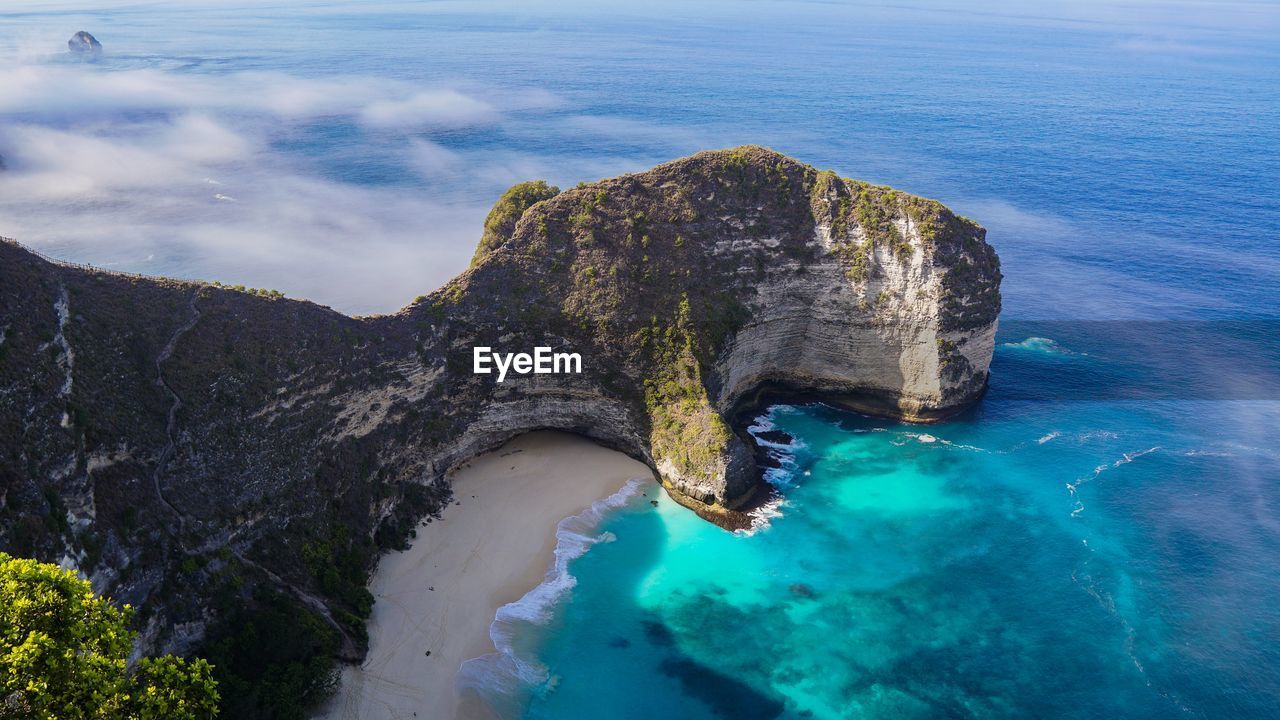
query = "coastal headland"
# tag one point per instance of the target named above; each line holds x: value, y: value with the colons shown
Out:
x: 235, y: 462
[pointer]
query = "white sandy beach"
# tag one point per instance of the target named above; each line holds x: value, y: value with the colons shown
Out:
x: 441, y: 594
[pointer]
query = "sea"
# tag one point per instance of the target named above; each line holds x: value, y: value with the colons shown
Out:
x: 1098, y: 538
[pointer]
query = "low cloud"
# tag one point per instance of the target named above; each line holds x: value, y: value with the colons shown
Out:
x: 239, y: 220
x: 79, y: 92
x: 88, y: 166
x: 433, y: 160
x: 261, y: 178
x: 433, y: 109
x: 500, y: 168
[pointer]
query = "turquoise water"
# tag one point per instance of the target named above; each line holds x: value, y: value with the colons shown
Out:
x: 1096, y: 559
x: 1098, y: 538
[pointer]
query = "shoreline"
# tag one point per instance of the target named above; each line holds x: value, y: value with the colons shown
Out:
x: 493, y: 545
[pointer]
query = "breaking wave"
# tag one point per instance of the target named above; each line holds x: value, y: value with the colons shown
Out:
x: 927, y: 439
x: 1074, y: 487
x: 1044, y: 345
x: 782, y: 477
x: 503, y: 679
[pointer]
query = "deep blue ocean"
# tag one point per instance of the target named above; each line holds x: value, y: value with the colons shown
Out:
x: 1099, y: 538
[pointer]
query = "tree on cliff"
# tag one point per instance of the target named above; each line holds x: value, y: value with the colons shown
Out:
x: 64, y: 650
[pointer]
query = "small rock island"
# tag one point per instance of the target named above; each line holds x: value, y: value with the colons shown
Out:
x: 82, y: 43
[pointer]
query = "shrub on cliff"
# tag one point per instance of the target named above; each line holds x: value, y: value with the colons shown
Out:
x: 64, y: 650
x: 502, y: 219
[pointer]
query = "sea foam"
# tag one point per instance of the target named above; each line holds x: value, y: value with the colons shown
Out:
x: 780, y: 478
x: 504, y: 679
x: 1048, y: 346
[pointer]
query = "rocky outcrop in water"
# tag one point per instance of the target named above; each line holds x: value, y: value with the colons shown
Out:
x: 82, y: 43
x: 190, y: 446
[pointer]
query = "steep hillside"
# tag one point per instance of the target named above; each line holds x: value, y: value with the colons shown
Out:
x: 208, y: 453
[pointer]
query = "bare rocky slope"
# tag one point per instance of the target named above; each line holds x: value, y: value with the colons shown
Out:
x: 197, y: 450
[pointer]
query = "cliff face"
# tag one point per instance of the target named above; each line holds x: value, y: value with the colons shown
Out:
x: 708, y: 279
x: 187, y: 445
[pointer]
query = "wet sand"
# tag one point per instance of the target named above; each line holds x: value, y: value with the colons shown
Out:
x: 441, y: 594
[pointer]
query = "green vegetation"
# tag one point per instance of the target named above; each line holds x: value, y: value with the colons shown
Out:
x: 273, y: 658
x: 858, y: 257
x: 64, y: 651
x: 781, y: 182
x: 737, y: 160
x: 340, y: 566
x: 751, y: 171
x: 583, y: 221
x: 502, y: 219
x: 258, y: 292
x: 685, y: 428
x: 876, y: 210
x: 435, y: 310
x: 927, y: 215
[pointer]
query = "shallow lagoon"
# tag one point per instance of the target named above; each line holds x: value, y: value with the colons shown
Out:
x: 1077, y: 560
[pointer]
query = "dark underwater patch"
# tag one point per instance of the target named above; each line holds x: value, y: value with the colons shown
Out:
x: 802, y: 590
x: 725, y: 696
x: 658, y: 633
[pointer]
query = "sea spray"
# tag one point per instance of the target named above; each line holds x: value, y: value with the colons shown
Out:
x: 783, y: 453
x: 1044, y: 345
x: 503, y: 680
x: 1074, y: 487
x: 781, y: 477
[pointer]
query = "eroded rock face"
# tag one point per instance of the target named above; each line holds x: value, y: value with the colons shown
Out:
x: 82, y: 43
x: 713, y: 277
x: 886, y: 344
x: 170, y: 439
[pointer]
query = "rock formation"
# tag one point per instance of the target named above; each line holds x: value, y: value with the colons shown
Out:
x: 180, y: 441
x: 82, y: 43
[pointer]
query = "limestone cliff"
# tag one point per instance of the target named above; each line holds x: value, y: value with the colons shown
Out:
x: 187, y: 445
x: 709, y: 279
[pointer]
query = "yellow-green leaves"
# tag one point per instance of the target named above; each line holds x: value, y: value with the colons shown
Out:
x: 64, y: 650
x: 686, y: 429
x: 502, y: 219
x: 171, y: 688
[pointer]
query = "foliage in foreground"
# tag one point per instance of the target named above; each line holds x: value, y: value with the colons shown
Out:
x: 64, y: 650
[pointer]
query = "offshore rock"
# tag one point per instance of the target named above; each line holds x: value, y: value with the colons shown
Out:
x: 82, y: 43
